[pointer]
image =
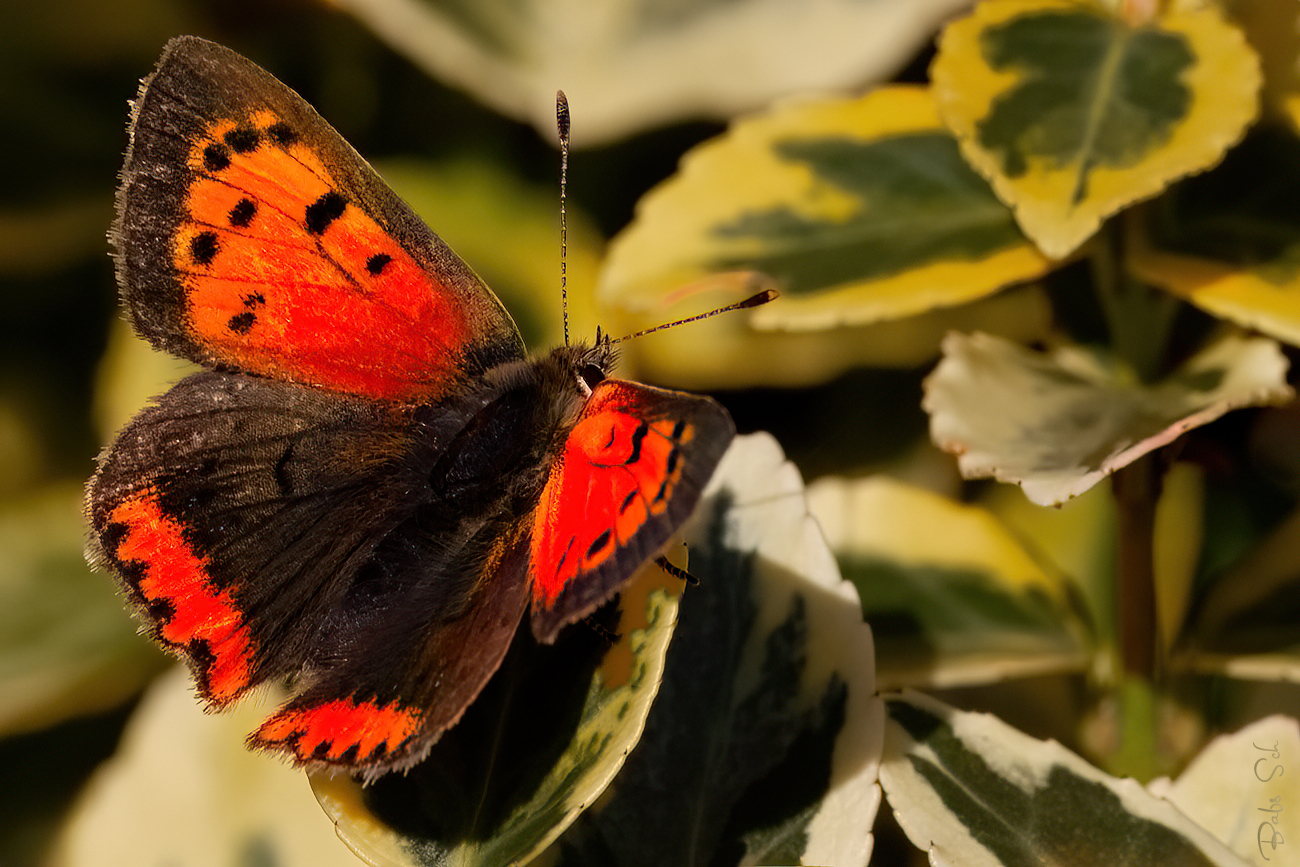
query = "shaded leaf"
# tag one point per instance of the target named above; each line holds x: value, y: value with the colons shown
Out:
x: 1073, y: 113
x: 761, y: 747
x: 1057, y: 423
x: 973, y: 791
x: 629, y: 65
x: 976, y: 609
x: 1273, y: 30
x: 1247, y: 623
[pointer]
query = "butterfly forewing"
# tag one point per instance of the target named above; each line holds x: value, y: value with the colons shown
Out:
x: 250, y: 235
x: 629, y: 474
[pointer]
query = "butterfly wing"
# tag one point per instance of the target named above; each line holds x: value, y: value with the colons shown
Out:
x: 629, y: 474
x: 264, y: 530
x: 238, y: 511
x: 400, y: 669
x: 251, y: 236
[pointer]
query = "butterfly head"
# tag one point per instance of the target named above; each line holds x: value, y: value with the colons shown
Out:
x: 587, y: 366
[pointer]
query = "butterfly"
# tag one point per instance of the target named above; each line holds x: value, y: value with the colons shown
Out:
x: 371, y: 484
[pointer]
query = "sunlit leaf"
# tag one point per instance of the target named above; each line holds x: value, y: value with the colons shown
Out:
x: 975, y: 609
x: 1058, y: 422
x: 862, y: 210
x: 1239, y: 789
x: 630, y: 65
x: 1229, y: 241
x: 541, y: 742
x: 974, y: 791
x: 762, y: 745
x: 184, y: 792
x: 1073, y: 113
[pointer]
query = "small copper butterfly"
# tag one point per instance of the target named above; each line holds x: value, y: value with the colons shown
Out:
x: 371, y: 481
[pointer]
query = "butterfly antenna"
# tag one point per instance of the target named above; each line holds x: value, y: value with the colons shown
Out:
x: 562, y: 125
x: 754, y: 300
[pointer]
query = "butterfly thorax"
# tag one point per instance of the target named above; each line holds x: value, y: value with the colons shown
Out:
x: 480, y: 462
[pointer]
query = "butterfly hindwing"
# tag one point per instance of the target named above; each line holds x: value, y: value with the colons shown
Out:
x: 401, y: 671
x: 239, y: 511
x: 251, y: 235
x: 629, y: 474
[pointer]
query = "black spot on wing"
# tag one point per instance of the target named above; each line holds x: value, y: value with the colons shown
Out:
x: 600, y: 543
x: 241, y: 215
x: 377, y: 263
x: 324, y: 211
x: 204, y: 248
x: 281, y: 133
x: 242, y: 323
x: 216, y: 157
x: 243, y: 139
x: 637, y: 436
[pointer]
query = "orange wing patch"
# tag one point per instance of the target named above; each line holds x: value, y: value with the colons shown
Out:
x: 287, y: 277
x: 342, y: 730
x: 173, y: 574
x: 617, y: 472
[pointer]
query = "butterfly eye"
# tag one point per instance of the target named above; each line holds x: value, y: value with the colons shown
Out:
x: 592, y: 374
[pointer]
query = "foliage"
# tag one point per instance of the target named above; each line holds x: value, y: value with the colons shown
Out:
x: 1067, y: 258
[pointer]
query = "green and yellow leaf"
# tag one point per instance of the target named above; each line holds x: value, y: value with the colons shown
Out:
x: 1058, y: 422
x: 862, y: 210
x: 978, y: 608
x: 971, y: 790
x: 762, y: 745
x: 1229, y: 240
x: 1073, y: 113
x: 727, y: 352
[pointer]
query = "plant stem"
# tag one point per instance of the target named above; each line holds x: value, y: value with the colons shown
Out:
x: 1137, y: 488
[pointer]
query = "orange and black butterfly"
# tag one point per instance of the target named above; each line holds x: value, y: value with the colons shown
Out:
x: 371, y: 481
